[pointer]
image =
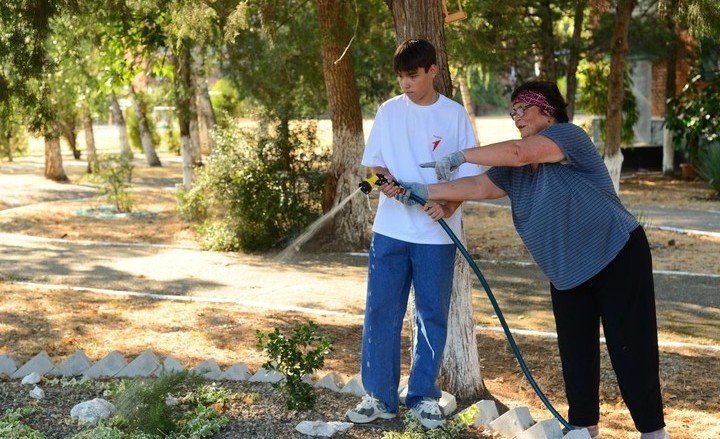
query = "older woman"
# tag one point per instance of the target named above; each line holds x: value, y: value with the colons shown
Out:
x: 592, y: 250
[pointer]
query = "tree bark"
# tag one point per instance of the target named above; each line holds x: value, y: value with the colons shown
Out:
x: 548, y: 69
x: 89, y: 141
x: 574, y: 58
x: 205, y: 109
x: 467, y: 102
x: 350, y: 224
x: 145, y: 136
x: 184, y: 92
x: 121, y: 127
x: 424, y: 19
x: 668, y: 165
x: 613, y: 124
x: 70, y: 133
x: 53, y: 158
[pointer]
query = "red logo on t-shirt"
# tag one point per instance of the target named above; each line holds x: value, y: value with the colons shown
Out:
x: 436, y: 142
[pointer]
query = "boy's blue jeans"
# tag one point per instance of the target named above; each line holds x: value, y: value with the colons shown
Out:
x: 393, y: 266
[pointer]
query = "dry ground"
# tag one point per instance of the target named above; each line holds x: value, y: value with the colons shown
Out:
x: 62, y: 321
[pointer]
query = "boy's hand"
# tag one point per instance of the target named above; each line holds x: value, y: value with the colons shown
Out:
x: 417, y: 189
x: 446, y: 165
x: 437, y: 210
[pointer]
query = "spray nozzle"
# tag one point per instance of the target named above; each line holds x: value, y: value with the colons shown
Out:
x: 376, y: 180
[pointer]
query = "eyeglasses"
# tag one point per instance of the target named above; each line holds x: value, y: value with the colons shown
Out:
x: 519, y: 111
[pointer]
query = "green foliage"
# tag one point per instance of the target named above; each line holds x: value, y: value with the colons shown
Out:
x: 133, y: 129
x: 452, y: 429
x: 113, y: 173
x: 486, y: 90
x: 225, y: 101
x: 142, y: 405
x: 594, y: 96
x: 709, y: 165
x: 295, y: 357
x: 12, y: 427
x: 693, y: 115
x: 13, y: 139
x: 171, y: 139
x: 258, y: 190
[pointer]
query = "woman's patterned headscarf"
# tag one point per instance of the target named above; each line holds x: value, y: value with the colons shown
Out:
x: 534, y: 98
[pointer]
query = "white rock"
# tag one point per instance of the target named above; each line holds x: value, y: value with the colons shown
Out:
x: 74, y: 365
x: 547, y: 429
x: 266, y: 376
x: 237, y: 372
x: 324, y: 429
x: 332, y: 381
x: 582, y: 433
x: 37, y: 393
x: 7, y: 366
x: 33, y: 378
x: 354, y: 386
x: 513, y: 422
x: 93, y: 411
x: 40, y: 363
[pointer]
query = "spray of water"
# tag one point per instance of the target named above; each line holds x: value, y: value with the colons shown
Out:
x: 290, y: 251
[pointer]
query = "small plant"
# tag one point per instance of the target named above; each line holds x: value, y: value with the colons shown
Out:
x: 113, y: 173
x: 452, y: 429
x: 295, y: 357
x: 12, y: 427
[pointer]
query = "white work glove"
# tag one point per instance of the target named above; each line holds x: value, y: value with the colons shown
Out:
x: 417, y: 189
x: 446, y: 165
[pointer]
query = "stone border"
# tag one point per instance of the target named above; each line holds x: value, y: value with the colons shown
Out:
x: 516, y: 423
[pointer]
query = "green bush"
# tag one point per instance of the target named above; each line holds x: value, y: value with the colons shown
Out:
x: 709, y: 165
x: 295, y: 357
x: 225, y: 101
x: 113, y: 173
x: 257, y: 190
x: 13, y: 140
x: 452, y: 429
x: 133, y: 130
x: 593, y: 99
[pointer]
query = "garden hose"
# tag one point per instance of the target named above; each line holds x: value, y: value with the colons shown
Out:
x: 501, y: 318
x: 379, y: 179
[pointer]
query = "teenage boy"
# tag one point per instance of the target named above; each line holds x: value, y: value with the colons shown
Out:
x: 408, y: 247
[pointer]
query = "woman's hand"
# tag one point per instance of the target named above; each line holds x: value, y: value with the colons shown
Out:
x: 446, y: 165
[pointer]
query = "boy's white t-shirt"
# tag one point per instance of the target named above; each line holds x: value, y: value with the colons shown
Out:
x: 404, y: 135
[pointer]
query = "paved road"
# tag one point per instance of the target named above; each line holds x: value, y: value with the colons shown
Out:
x: 332, y: 282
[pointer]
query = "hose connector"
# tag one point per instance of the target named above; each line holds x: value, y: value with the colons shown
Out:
x: 376, y: 180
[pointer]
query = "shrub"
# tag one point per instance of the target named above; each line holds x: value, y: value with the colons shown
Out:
x: 295, y: 357
x: 452, y: 429
x: 113, y: 173
x: 13, y: 140
x: 12, y: 427
x: 709, y: 165
x: 257, y: 189
x: 142, y: 405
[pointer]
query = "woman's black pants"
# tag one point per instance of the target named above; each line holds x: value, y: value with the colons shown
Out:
x: 622, y: 296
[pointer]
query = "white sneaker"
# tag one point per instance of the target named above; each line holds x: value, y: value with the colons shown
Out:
x: 428, y: 413
x: 369, y: 409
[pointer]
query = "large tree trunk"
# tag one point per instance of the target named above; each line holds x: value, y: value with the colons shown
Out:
x: 350, y: 224
x: 205, y: 110
x: 145, y: 136
x: 184, y: 92
x: 613, y: 124
x: 467, y: 101
x: 53, y: 158
x: 89, y: 141
x: 574, y: 58
x: 548, y: 70
x: 119, y: 121
x: 424, y: 19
